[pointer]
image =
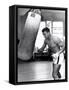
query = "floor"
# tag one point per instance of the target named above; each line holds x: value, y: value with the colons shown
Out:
x: 37, y: 71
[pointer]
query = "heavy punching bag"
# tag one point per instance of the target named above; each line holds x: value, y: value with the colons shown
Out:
x: 29, y: 33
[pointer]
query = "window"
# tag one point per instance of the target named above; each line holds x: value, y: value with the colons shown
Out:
x: 58, y: 28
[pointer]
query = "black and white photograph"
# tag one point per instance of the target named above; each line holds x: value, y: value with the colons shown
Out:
x: 41, y: 50
x: 41, y: 44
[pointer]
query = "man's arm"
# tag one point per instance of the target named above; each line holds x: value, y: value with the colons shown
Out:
x: 43, y: 47
x: 62, y: 47
x: 61, y: 44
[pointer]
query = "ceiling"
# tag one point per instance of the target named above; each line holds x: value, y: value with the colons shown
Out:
x: 52, y: 15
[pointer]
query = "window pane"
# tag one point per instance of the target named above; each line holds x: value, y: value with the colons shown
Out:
x: 58, y: 28
x: 57, y: 24
x: 49, y: 25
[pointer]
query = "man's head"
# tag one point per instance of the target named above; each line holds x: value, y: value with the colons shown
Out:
x: 46, y: 32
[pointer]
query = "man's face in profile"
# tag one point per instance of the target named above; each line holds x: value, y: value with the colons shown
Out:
x: 46, y: 34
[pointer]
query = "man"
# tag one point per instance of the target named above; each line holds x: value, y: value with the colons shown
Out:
x: 56, y: 47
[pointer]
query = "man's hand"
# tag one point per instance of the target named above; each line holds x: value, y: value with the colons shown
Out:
x: 40, y: 51
x: 55, y: 56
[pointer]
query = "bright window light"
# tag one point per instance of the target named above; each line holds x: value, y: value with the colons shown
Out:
x: 58, y: 28
x: 40, y: 37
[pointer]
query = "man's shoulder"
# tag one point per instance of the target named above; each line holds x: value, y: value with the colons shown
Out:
x: 57, y: 38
